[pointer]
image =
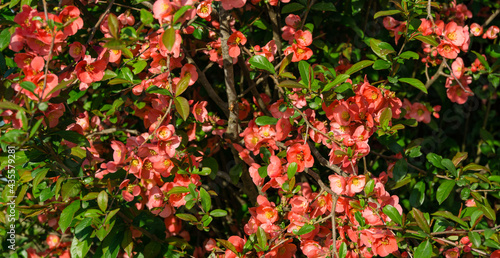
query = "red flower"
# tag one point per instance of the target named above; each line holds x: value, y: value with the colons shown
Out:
x: 300, y: 154
x: 234, y: 41
x: 448, y: 49
x: 89, y: 71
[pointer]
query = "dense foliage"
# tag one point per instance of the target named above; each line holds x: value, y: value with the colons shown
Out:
x: 249, y: 128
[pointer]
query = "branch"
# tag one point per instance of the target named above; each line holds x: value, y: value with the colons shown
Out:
x: 113, y: 130
x: 94, y: 29
x: 273, y: 16
x: 232, y: 131
x: 208, y: 87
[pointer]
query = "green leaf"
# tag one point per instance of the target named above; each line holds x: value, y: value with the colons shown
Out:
x: 381, y: 65
x: 4, y: 39
x: 262, y: 171
x: 155, y: 89
x: 13, y: 3
x: 182, y: 85
x: 489, y: 213
x: 227, y: 245
x: 39, y: 177
x: 266, y: 120
x: 358, y: 66
x: 382, y: 49
x: 305, y: 72
x: 181, y: 12
x: 291, y: 84
x: 448, y: 164
x: 393, y: 213
x: 292, y: 7
x: 424, y: 249
x: 427, y: 39
x: 475, y: 239
x: 261, y: 237
x: 139, y: 66
x: 168, y: 38
x: 400, y: 170
x: 385, y: 13
x: 324, y: 6
x: 213, y: 165
x: 444, y: 190
x: 435, y: 160
x: 182, y: 107
x: 146, y: 17
x: 83, y: 228
x: 482, y: 60
x: 415, y: 83
x: 340, y: 79
x: 261, y: 62
x: 421, y: 221
x: 449, y: 215
x: 186, y: 217
x: 206, y: 201
x: 343, y: 250
x: 385, y: 117
x: 28, y: 86
x: 108, y: 74
x: 113, y: 25
x: 292, y: 169
x: 218, y: 213
x: 417, y: 196
x: 127, y: 243
x: 11, y: 106
x: 102, y: 200
x: 74, y: 137
x: 80, y: 248
x: 307, y: 228
x: 70, y: 189
x: 285, y: 63
x: 408, y: 55
x: 235, y: 173
x: 67, y: 215
x: 178, y: 189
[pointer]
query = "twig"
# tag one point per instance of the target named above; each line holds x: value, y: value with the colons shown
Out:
x: 273, y: 16
x: 455, y: 77
x: 252, y: 86
x: 324, y: 162
x: 491, y: 18
x: 112, y: 130
x: 94, y: 29
x: 208, y: 87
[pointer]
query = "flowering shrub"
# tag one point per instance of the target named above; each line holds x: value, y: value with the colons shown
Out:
x: 185, y: 128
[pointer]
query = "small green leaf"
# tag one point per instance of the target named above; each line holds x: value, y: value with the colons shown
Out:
x: 400, y: 170
x: 292, y: 7
x: 261, y: 237
x: 448, y: 164
x: 385, y: 13
x: 146, y: 17
x: 266, y: 120
x: 421, y: 221
x: 4, y: 39
x: 475, y: 239
x: 182, y: 85
x: 381, y: 65
x: 181, y: 12
x: 482, y: 60
x: 359, y: 66
x: 393, y: 214
x: 307, y: 228
x: 424, y: 249
x: 182, y: 107
x: 67, y: 215
x: 261, y: 62
x: 227, y: 245
x: 178, y: 189
x: 340, y: 79
x: 291, y: 84
x: 39, y: 177
x: 186, y: 217
x: 28, y: 86
x: 285, y: 63
x: 343, y: 250
x: 449, y: 215
x: 102, y: 200
x: 168, y: 38
x: 113, y: 25
x: 305, y: 72
x: 415, y: 83
x: 435, y: 160
x: 218, y: 213
x: 444, y: 190
x: 139, y: 66
x: 408, y: 55
x: 206, y: 201
x: 292, y: 169
x: 11, y: 106
x: 74, y: 137
x: 427, y: 39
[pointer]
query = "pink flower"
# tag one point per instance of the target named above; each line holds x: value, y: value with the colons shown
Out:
x: 274, y: 169
x: 200, y: 112
x: 454, y: 34
x: 448, y: 50
x: 457, y: 94
x: 234, y: 41
x: 491, y: 33
x: 293, y: 21
x: 337, y: 184
x: 204, y: 9
x: 355, y: 184
x: 452, y: 253
x: 89, y: 71
x: 476, y: 29
x: 162, y: 9
x: 300, y: 154
x: 66, y: 15
x: 77, y: 50
x: 189, y: 69
x: 303, y: 38
x: 230, y: 4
